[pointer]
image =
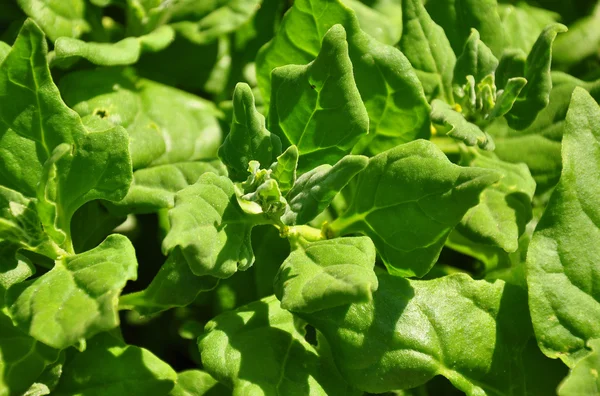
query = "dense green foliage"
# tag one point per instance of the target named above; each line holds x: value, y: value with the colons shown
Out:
x: 308, y: 197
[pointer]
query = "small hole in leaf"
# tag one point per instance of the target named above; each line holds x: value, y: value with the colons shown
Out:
x: 311, y: 335
x: 101, y: 113
x: 312, y: 86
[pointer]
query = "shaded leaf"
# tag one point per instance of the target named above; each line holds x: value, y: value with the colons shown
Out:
x: 197, y: 382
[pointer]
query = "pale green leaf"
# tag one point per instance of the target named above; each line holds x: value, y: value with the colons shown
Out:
x: 124, y: 52
x: 455, y: 125
x: 381, y: 19
x: 197, y: 382
x: 4, y: 50
x: 563, y: 255
x: 109, y: 367
x: 327, y: 274
x: 248, y: 139
x: 58, y: 17
x: 284, y: 170
x: 583, y: 378
x: 408, y: 200
x: 314, y: 190
x: 260, y: 349
x: 507, y: 97
x: 211, y: 229
x: 14, y: 268
x: 317, y: 107
x: 78, y: 297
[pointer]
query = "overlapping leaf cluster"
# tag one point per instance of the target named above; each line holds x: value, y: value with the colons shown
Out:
x: 337, y: 197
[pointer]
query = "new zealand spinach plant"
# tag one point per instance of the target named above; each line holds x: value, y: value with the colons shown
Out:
x: 308, y: 197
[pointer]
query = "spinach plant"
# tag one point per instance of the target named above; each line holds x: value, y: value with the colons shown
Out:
x: 309, y: 197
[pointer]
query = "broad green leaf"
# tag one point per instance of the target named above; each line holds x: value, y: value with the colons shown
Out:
x: 581, y: 41
x: 476, y: 60
x: 475, y: 333
x: 165, y: 125
x: 458, y: 17
x: 174, y: 286
x: 504, y: 208
x: 389, y: 88
x: 407, y: 200
x: 4, y: 50
x: 381, y: 19
x: 22, y: 358
x: 124, y: 52
x: 327, y: 274
x: 536, y: 94
x: 317, y: 107
x: 284, y: 169
x: 197, y: 382
x: 523, y: 24
x: 47, y: 381
x: 427, y: 48
x: 260, y: 349
x: 314, y: 190
x: 154, y: 188
x: 46, y: 150
x: 583, y: 378
x: 58, y: 17
x: 563, y: 255
x: 223, y: 20
x: 78, y: 297
x: 248, y: 140
x: 91, y: 224
x: 109, y: 367
x: 211, y: 229
x: 454, y: 124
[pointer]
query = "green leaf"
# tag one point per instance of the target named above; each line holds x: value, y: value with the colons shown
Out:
x: 144, y: 16
x: 284, y: 170
x: 108, y: 366
x: 211, y: 229
x: 248, y: 139
x: 327, y: 274
x: 458, y: 17
x: 427, y: 48
x: 14, y: 268
x: 175, y: 285
x: 221, y: 21
x: 505, y: 207
x: 511, y: 65
x: 260, y: 348
x: 47, y: 381
x: 22, y: 358
x: 508, y: 96
x: 523, y: 24
x: 124, y: 52
x: 579, y: 42
x: 197, y: 382
x: 58, y: 17
x: 457, y: 127
x: 563, y: 253
x: 4, y: 50
x: 389, y: 88
x: 78, y: 297
x: 476, y: 60
x: 583, y: 378
x: 314, y: 190
x: 475, y: 333
x: 165, y: 125
x: 154, y: 188
x: 381, y: 19
x: 536, y: 94
x: 47, y: 152
x: 317, y: 107
x: 407, y: 200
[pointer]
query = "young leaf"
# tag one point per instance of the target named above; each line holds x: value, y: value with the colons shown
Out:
x: 474, y: 333
x: 407, y: 200
x: 78, y: 297
x: 211, y: 229
x: 108, y: 366
x: 508, y: 96
x: 196, y: 382
x: 22, y: 358
x: 563, y: 254
x: 248, y: 139
x: 427, y: 48
x: 327, y: 274
x: 476, y: 60
x: 583, y: 378
x: 317, y: 107
x: 284, y: 170
x: 58, y: 17
x: 174, y: 286
x: 505, y: 207
x: 536, y: 94
x: 165, y: 125
x: 459, y: 128
x: 314, y: 190
x: 261, y: 348
x: 124, y: 52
